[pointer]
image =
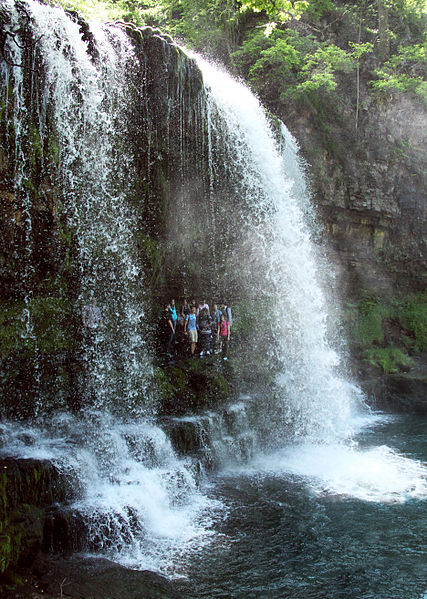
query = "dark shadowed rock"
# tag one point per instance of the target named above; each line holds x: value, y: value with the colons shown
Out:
x: 91, y: 578
x: 401, y: 392
x: 27, y: 488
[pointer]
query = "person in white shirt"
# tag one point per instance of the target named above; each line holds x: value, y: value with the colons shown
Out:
x: 203, y: 306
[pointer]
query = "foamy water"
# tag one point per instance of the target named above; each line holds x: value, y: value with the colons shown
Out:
x: 378, y: 474
x: 139, y: 501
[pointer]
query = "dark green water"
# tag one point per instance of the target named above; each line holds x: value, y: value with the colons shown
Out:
x: 285, y: 539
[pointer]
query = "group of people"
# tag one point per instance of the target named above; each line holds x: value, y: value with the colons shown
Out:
x: 205, y: 329
x: 197, y: 323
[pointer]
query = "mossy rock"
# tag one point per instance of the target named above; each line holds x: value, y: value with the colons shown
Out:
x: 193, y: 385
x: 27, y: 488
x: 387, y: 332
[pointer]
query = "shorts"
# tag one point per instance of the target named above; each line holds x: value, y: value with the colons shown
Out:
x: 192, y: 336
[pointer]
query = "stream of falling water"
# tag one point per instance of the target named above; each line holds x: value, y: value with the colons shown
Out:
x: 283, y: 264
x: 88, y: 99
x: 143, y: 505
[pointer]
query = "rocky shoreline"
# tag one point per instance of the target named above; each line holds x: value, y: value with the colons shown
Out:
x: 32, y: 493
x: 82, y: 577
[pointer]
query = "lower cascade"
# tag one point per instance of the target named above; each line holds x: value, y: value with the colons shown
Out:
x: 122, y: 148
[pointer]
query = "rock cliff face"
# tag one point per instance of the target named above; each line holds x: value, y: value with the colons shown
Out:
x: 27, y: 488
x: 369, y: 186
x: 31, y: 522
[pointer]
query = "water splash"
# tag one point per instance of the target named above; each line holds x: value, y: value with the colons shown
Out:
x: 378, y: 474
x: 140, y: 504
x: 279, y: 261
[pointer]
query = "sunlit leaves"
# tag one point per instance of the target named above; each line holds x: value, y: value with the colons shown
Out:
x: 281, y: 10
x: 297, y: 64
x: 404, y: 71
x: 358, y: 49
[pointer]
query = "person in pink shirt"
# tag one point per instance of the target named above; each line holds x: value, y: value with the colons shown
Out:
x: 223, y: 336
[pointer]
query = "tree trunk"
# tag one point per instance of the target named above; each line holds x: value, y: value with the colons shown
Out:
x: 383, y: 31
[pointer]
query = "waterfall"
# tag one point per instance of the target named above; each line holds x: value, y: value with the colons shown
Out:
x: 138, y: 502
x: 12, y: 96
x: 141, y: 504
x: 88, y: 97
x: 280, y: 263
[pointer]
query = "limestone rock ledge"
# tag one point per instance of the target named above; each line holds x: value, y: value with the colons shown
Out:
x: 404, y: 393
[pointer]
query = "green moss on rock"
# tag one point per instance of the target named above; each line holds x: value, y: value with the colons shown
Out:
x: 386, y: 332
x: 193, y: 385
x: 27, y: 488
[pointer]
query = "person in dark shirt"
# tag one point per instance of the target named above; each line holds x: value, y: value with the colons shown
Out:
x: 168, y: 328
x: 205, y: 327
x: 216, y: 315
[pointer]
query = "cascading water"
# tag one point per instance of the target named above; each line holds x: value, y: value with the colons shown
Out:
x: 315, y: 399
x: 88, y: 99
x: 141, y: 504
x: 315, y: 404
x: 14, y: 105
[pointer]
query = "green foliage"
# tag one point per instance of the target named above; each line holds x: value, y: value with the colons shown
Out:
x: 413, y: 316
x: 102, y: 10
x: 149, y: 12
x: 316, y: 9
x: 293, y: 64
x: 367, y: 317
x: 274, y: 61
x: 389, y: 359
x: 280, y: 10
x: 320, y: 66
x: 210, y: 24
x: 404, y: 72
x: 368, y: 321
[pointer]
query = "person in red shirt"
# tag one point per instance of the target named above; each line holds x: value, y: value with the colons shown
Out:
x: 223, y: 336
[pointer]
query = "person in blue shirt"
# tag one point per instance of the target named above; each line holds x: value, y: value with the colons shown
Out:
x: 190, y: 329
x: 168, y: 327
x: 173, y: 313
